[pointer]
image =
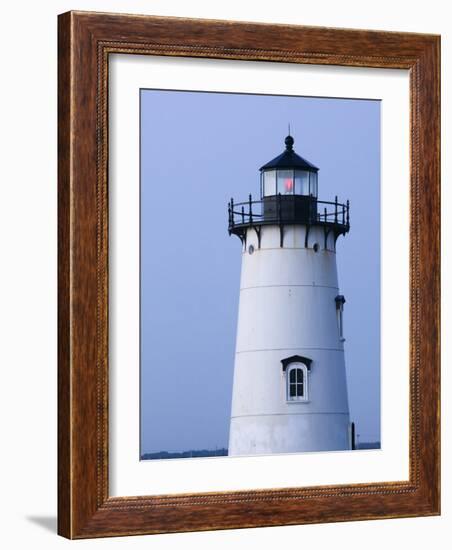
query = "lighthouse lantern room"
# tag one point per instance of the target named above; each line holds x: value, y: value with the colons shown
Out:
x: 289, y: 388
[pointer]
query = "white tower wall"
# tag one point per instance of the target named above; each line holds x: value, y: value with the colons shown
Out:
x: 287, y: 307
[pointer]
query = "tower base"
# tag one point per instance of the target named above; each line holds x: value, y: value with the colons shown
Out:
x: 289, y: 433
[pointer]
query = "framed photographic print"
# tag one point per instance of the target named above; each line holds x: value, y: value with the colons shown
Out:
x: 248, y: 275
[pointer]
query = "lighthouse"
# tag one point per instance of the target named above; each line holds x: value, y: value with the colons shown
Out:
x: 289, y: 387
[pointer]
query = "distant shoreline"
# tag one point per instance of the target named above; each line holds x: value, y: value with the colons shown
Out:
x: 203, y: 453
x: 193, y: 453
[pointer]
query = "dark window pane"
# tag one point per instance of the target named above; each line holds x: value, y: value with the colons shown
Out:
x: 300, y: 390
x: 299, y: 376
x: 293, y: 373
x: 292, y: 390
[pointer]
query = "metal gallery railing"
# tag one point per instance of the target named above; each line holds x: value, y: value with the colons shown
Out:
x: 254, y: 212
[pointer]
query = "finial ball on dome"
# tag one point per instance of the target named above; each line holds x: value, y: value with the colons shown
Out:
x: 289, y: 141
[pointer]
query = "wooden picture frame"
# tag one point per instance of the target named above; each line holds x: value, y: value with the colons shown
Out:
x: 85, y: 42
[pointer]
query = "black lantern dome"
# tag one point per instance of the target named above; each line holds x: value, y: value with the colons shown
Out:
x: 289, y: 174
x: 288, y: 197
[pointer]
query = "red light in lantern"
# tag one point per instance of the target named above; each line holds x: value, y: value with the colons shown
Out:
x: 288, y: 183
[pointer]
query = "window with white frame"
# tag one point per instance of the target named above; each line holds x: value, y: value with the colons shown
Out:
x: 297, y: 382
x: 296, y: 371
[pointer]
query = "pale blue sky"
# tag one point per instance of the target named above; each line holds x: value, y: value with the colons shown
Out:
x: 198, y: 150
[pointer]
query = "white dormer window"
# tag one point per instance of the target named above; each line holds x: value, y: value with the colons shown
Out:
x: 296, y: 371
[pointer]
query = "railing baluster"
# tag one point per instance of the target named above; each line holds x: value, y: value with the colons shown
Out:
x: 343, y: 214
x: 324, y: 211
x: 335, y: 209
x: 251, y: 209
x: 348, y: 212
x: 243, y: 214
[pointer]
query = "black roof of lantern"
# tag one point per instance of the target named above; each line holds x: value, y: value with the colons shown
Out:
x: 289, y: 159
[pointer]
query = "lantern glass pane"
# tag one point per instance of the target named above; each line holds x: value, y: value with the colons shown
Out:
x: 285, y: 182
x: 269, y: 183
x: 301, y: 182
x: 313, y: 183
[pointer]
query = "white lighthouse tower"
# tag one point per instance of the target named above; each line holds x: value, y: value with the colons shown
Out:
x: 289, y: 390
